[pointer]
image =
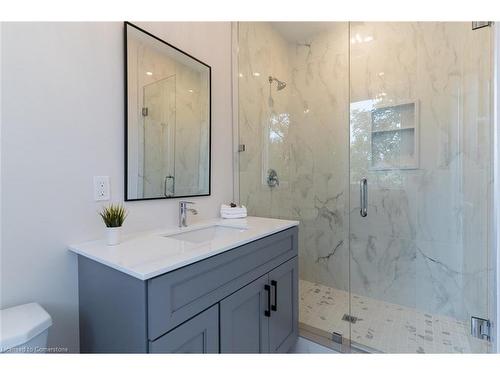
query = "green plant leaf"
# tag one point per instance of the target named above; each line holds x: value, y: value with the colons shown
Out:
x: 113, y: 215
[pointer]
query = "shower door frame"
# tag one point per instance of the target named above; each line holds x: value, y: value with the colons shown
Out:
x: 494, y: 256
x: 494, y: 229
x: 235, y: 110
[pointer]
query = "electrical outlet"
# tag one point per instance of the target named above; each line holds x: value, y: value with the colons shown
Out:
x: 101, y: 188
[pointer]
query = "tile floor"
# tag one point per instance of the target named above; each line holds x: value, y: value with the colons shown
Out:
x: 382, y: 326
x: 305, y: 346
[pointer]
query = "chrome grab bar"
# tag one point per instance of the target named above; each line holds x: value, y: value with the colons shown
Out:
x: 363, y: 197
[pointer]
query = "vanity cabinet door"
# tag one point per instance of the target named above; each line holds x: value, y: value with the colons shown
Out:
x: 198, y: 335
x: 283, y: 323
x: 243, y: 321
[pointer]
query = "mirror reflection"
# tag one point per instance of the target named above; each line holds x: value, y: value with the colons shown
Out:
x: 168, y: 120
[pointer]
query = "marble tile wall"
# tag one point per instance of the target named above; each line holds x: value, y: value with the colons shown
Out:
x: 262, y: 52
x: 312, y: 156
x: 191, y: 136
x: 424, y: 243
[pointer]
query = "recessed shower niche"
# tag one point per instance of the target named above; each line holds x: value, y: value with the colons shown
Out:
x: 394, y: 136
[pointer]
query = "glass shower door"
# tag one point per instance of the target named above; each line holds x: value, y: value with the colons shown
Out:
x: 159, y: 126
x: 420, y: 149
x: 293, y: 135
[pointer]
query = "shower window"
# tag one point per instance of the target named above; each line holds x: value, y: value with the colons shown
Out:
x: 276, y: 151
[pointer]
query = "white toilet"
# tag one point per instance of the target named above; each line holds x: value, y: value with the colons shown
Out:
x: 24, y: 329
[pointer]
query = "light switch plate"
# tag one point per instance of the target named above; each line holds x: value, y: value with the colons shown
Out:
x: 101, y: 188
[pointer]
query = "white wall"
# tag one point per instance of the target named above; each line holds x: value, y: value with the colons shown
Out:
x: 62, y: 123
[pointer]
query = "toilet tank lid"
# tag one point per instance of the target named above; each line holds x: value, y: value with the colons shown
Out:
x: 19, y: 324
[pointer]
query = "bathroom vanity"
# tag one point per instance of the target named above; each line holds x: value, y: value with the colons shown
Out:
x: 221, y: 286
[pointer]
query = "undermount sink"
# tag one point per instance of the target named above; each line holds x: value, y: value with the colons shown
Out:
x: 205, y: 234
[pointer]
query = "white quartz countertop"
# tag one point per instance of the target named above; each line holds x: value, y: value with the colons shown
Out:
x: 149, y: 254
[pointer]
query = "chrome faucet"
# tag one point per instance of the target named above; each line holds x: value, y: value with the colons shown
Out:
x: 183, y: 210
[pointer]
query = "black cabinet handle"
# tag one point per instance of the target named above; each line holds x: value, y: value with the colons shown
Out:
x: 268, y: 290
x: 275, y: 306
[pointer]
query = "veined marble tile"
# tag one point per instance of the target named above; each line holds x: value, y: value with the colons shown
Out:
x: 424, y: 244
x: 312, y: 111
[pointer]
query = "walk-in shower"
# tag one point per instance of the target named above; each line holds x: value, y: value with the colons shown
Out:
x: 399, y: 112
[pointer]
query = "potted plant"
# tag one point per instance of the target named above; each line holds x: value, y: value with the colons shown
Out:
x: 113, y: 216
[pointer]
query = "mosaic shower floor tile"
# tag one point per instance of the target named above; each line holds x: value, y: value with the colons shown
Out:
x: 383, y: 326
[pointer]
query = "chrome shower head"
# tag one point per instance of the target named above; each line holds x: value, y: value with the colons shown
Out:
x: 281, y: 84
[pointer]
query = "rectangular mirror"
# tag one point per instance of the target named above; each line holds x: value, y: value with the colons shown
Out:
x: 167, y: 120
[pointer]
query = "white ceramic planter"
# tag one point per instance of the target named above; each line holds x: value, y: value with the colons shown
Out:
x: 113, y: 235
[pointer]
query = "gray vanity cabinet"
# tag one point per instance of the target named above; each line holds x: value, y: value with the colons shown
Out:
x: 283, y: 323
x: 262, y: 316
x: 244, y: 326
x: 198, y: 335
x: 243, y: 300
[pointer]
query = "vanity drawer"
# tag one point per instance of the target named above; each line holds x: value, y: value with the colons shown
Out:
x: 177, y: 296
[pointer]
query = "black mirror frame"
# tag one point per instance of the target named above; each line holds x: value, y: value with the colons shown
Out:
x: 127, y: 24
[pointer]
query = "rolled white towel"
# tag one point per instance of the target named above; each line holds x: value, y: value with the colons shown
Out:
x: 232, y: 216
x: 233, y: 212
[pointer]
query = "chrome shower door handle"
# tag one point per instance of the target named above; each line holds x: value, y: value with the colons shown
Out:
x: 363, y: 197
